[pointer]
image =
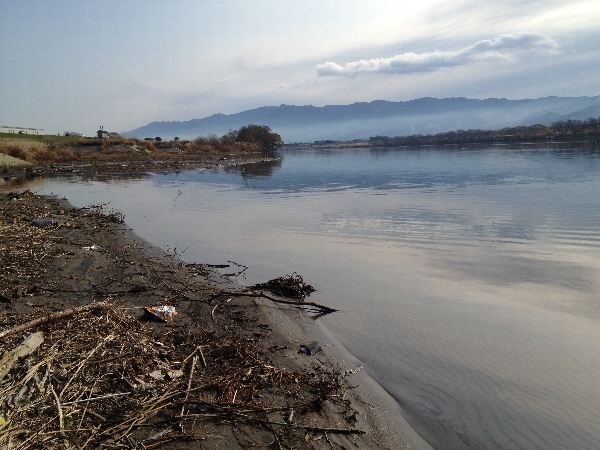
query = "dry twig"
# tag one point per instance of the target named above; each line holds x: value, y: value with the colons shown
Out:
x: 51, y: 318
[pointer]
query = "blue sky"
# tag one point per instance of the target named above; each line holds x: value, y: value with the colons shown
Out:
x: 76, y: 65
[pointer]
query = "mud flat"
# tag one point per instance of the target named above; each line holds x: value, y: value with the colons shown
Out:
x: 221, y: 366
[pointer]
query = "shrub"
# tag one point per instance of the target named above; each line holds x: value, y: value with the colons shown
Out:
x: 64, y: 155
x: 17, y: 152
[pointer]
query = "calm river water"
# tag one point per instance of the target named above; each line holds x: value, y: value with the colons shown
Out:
x: 467, y: 280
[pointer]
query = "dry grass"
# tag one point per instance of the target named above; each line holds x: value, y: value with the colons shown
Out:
x: 24, y: 149
x: 122, y: 149
x: 36, y: 152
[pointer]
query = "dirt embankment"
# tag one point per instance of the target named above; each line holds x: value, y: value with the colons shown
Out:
x: 7, y: 161
x: 101, y: 370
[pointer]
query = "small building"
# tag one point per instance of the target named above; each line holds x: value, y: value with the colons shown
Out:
x: 101, y: 133
x: 21, y: 130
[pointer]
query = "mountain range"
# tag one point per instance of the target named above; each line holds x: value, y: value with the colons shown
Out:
x: 383, y: 118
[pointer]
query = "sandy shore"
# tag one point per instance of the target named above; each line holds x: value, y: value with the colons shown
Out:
x: 378, y: 413
x: 267, y: 392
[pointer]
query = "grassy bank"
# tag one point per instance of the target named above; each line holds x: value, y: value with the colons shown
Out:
x: 41, y: 150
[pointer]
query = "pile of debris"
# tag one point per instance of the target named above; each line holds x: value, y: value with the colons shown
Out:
x: 290, y: 286
x: 23, y: 247
x: 95, y: 375
x: 76, y: 372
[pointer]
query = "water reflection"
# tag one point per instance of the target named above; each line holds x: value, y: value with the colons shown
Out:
x: 259, y: 169
x: 466, y: 280
x: 11, y: 183
x: 35, y: 182
x: 112, y: 178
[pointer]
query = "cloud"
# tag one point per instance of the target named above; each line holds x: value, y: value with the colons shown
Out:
x: 502, y: 46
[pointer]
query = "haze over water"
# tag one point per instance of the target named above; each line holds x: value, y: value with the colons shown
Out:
x: 467, y: 279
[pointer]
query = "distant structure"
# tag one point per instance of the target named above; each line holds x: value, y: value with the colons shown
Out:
x: 101, y: 133
x: 20, y: 130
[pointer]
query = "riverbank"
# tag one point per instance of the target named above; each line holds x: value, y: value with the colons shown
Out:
x: 7, y: 162
x: 227, y: 371
x: 16, y: 168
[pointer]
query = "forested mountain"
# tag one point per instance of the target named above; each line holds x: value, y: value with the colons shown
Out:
x: 384, y: 118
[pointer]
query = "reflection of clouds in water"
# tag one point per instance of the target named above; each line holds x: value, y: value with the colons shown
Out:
x: 422, y: 225
x: 505, y: 229
x: 508, y: 249
x: 501, y: 269
x: 541, y: 282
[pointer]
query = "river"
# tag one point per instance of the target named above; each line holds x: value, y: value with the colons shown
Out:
x: 467, y: 279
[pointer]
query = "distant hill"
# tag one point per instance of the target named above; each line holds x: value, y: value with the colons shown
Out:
x: 383, y: 118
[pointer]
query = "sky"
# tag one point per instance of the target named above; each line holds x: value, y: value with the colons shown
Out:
x: 75, y: 65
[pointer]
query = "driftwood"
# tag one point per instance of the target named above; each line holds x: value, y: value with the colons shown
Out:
x: 261, y: 294
x: 291, y: 286
x: 51, y: 318
x: 323, y: 308
x: 32, y: 342
x: 60, y: 411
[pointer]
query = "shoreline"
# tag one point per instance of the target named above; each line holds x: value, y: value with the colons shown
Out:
x: 16, y: 168
x: 381, y: 411
x: 287, y: 327
x: 387, y: 427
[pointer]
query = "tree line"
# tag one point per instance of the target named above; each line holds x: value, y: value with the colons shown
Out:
x: 569, y: 130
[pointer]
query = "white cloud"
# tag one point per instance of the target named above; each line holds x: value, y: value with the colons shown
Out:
x: 503, y: 46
